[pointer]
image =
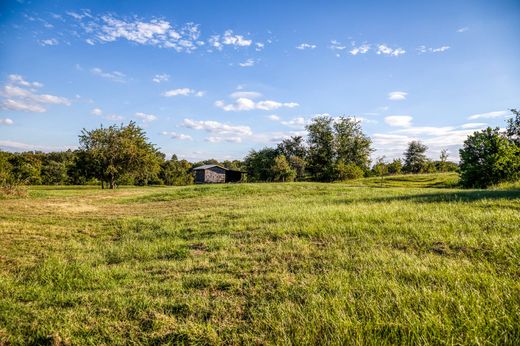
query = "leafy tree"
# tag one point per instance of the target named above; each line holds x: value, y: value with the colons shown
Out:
x: 395, y: 166
x: 443, y: 160
x: 488, y: 158
x: 258, y: 164
x: 295, y: 152
x: 321, y: 158
x: 282, y: 171
x: 298, y: 164
x: 513, y: 127
x: 26, y: 167
x: 176, y: 172
x: 119, y: 150
x: 293, y: 146
x: 346, y: 171
x: 415, y: 158
x: 380, y: 168
x: 351, y: 144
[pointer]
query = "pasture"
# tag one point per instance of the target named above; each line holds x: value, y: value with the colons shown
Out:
x: 413, y: 262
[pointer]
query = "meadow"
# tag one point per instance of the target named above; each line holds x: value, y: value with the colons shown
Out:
x: 412, y: 260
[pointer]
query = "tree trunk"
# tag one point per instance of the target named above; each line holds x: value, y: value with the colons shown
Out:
x: 112, y: 182
x: 102, y: 184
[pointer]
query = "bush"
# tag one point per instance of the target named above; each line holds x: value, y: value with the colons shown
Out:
x: 488, y: 158
x: 348, y: 171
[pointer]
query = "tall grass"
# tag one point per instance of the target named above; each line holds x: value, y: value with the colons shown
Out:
x: 295, y: 263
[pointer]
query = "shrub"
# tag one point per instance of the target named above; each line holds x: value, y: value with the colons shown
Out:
x: 348, y: 171
x: 488, y: 158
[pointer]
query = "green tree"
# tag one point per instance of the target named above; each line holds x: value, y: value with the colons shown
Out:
x: 415, y: 158
x: 395, y: 166
x: 282, y: 171
x: 321, y: 158
x: 295, y: 152
x: 346, y: 171
x: 443, y: 161
x: 513, y: 127
x: 380, y: 168
x: 488, y: 158
x: 258, y: 164
x: 176, y: 172
x: 351, y: 144
x: 119, y: 150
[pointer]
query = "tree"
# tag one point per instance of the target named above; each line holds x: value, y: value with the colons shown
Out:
x: 298, y: 164
x: 351, y: 144
x: 176, y: 172
x: 258, y: 164
x: 395, y: 166
x: 293, y: 146
x: 321, y: 158
x: 513, y: 128
x: 488, y: 157
x: 415, y: 158
x: 346, y: 171
x: 119, y: 150
x: 282, y: 171
x: 443, y: 159
x: 380, y: 168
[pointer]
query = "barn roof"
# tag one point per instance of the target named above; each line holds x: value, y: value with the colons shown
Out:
x: 208, y: 167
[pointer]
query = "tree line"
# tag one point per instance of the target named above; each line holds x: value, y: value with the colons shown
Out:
x: 334, y: 149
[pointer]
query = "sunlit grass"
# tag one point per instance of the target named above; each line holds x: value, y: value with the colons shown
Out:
x: 298, y: 263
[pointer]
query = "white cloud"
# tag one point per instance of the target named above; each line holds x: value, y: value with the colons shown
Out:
x: 114, y: 117
x: 19, y: 80
x: 217, y: 139
x: 363, y: 49
x: 217, y: 127
x: 97, y: 111
x: 20, y: 95
x: 273, y: 117
x: 246, y: 104
x: 6, y: 121
x: 179, y: 92
x: 259, y: 46
x: 488, y: 115
x: 17, y: 146
x: 246, y: 94
x: 335, y: 45
x: 114, y: 76
x: 146, y: 118
x: 159, y: 78
x: 399, y: 120
x: 229, y: 39
x: 424, y: 49
x: 49, y: 42
x: 247, y: 63
x: 303, y: 46
x: 473, y: 125
x: 463, y: 29
x: 383, y: 49
x: 178, y: 136
x: 397, y: 95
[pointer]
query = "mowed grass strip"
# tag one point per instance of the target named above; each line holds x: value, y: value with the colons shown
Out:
x: 295, y: 263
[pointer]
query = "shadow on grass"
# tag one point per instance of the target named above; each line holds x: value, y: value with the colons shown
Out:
x: 458, y: 196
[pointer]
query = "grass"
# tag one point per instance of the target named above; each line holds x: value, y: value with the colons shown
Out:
x: 294, y: 263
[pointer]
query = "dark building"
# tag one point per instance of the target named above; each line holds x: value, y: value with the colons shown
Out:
x: 216, y: 174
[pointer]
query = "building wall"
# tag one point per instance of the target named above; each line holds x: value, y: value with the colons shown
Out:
x: 214, y: 175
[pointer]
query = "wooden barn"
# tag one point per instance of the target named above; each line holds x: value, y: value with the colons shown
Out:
x: 216, y: 174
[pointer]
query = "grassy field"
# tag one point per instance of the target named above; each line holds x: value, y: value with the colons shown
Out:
x: 294, y: 263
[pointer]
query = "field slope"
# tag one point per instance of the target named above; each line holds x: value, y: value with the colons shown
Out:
x: 295, y: 263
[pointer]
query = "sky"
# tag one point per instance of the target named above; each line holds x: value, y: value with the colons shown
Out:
x: 215, y: 79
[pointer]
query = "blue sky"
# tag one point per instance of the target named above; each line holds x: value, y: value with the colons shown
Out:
x: 214, y: 79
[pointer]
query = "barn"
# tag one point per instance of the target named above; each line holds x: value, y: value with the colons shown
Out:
x: 216, y: 174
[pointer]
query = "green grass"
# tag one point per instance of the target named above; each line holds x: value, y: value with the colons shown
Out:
x: 295, y: 263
